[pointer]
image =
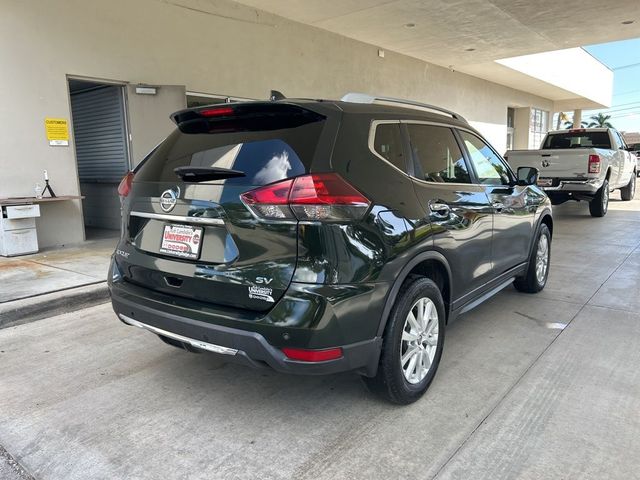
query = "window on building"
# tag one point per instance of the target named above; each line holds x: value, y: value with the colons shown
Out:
x: 439, y: 156
x: 538, y: 127
x: 511, y: 115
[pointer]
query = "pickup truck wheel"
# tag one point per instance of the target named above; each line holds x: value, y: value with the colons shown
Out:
x: 412, y: 343
x: 629, y: 191
x: 599, y: 205
x: 535, y: 278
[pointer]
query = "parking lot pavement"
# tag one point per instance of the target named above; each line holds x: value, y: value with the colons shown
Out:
x: 530, y: 386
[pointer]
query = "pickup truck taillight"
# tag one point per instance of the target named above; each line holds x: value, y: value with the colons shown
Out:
x: 594, y: 164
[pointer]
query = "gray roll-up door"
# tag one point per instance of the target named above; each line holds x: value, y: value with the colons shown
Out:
x: 100, y: 134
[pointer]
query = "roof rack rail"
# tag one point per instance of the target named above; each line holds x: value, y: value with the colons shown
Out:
x: 366, y: 98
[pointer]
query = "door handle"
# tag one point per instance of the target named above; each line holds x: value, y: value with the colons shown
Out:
x: 440, y: 210
x: 498, y: 206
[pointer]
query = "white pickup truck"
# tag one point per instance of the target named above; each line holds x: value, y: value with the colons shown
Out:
x: 581, y: 164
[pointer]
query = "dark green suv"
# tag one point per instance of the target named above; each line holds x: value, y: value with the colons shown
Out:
x: 315, y: 236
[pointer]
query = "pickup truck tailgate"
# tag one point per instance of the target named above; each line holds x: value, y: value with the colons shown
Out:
x: 558, y: 163
x: 563, y: 163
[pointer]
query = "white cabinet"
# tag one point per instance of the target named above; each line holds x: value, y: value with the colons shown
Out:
x: 18, y: 229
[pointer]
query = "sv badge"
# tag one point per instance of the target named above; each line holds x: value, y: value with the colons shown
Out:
x: 264, y: 280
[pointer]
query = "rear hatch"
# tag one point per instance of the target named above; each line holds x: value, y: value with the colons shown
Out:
x: 189, y: 234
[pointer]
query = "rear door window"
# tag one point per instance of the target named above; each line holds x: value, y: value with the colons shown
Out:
x: 438, y: 155
x: 387, y: 143
x: 264, y: 156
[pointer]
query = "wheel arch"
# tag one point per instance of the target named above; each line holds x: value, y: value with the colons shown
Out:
x: 547, y: 219
x: 430, y: 264
x: 544, y: 219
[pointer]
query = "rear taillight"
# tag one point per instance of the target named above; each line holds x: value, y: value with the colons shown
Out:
x: 594, y: 164
x: 305, y: 355
x: 125, y: 185
x: 271, y: 201
x: 315, y: 197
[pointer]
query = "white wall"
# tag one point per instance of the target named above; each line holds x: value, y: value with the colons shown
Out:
x: 231, y: 50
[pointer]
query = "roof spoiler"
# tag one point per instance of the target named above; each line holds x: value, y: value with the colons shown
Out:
x: 246, y: 116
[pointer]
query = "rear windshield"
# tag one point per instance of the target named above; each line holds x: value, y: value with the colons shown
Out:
x: 264, y: 156
x: 577, y: 140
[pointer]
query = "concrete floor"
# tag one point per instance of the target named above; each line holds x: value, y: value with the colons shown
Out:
x: 530, y: 386
x: 57, y: 269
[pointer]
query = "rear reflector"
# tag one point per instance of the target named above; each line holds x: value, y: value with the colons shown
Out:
x: 125, y: 184
x: 314, y: 197
x: 312, y: 355
x: 594, y: 164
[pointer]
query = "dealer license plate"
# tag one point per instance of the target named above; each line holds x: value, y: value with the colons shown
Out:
x: 181, y: 241
x: 545, y: 182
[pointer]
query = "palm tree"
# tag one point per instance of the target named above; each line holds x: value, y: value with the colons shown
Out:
x: 562, y: 118
x: 600, y: 120
x: 569, y: 125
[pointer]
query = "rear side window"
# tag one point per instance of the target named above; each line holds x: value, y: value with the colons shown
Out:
x: 264, y: 156
x: 438, y: 155
x: 577, y: 139
x: 388, y: 144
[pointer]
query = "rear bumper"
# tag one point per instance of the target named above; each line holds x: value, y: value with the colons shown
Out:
x: 589, y: 186
x: 255, y: 342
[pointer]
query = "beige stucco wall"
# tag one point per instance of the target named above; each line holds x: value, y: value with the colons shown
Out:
x: 212, y: 46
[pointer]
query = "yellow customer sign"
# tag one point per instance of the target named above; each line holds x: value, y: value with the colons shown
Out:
x: 57, y: 131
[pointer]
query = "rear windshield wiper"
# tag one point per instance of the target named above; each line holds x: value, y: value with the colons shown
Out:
x: 203, y: 174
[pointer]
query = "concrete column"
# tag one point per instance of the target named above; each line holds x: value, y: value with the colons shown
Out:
x: 521, y: 122
x: 577, y: 118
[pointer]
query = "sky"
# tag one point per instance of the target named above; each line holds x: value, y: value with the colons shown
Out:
x: 624, y: 59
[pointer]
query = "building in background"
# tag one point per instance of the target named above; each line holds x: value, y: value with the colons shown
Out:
x: 116, y: 70
x: 631, y: 138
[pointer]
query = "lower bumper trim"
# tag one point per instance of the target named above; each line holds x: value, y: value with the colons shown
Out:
x: 194, y: 343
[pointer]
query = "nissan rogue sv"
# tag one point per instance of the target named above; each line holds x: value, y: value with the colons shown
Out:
x: 317, y: 236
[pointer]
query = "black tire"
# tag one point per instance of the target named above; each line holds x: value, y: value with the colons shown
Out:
x: 629, y: 191
x: 390, y: 381
x: 529, y: 282
x: 599, y: 205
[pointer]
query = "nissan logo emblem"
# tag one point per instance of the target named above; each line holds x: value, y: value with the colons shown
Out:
x: 168, y: 199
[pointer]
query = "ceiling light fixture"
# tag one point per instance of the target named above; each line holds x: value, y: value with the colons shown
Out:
x: 469, y: 49
x: 409, y: 25
x: 627, y: 22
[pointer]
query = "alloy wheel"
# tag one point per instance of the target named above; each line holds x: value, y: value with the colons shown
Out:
x: 542, y: 259
x: 419, y: 340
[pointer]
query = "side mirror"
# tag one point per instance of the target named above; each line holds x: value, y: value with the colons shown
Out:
x: 527, y: 176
